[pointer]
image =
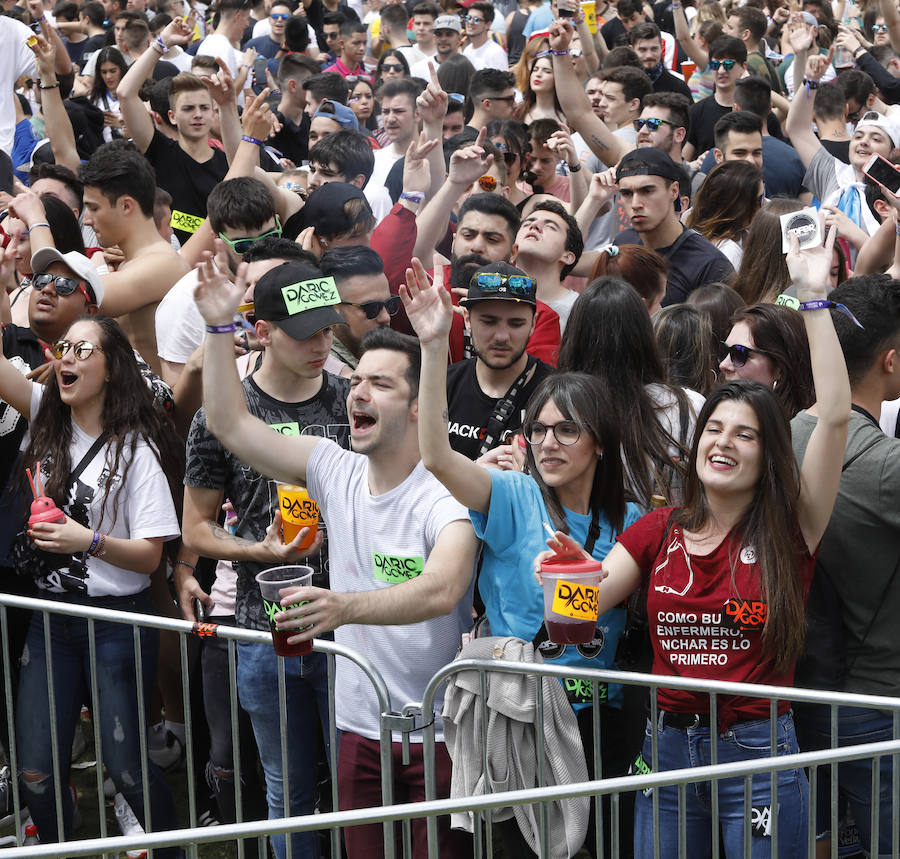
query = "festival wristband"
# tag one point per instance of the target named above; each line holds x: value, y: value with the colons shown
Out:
x: 161, y: 46
x: 94, y: 541
x: 825, y: 305
x: 38, y: 224
x: 221, y: 329
x: 248, y: 139
x: 564, y: 53
x: 574, y: 168
x: 187, y: 564
x: 417, y: 197
x: 49, y: 86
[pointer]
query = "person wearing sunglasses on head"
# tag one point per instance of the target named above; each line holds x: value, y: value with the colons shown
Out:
x: 481, y: 50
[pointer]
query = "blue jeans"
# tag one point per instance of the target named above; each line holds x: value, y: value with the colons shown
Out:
x: 856, y: 726
x: 118, y: 715
x: 306, y: 682
x: 690, y: 747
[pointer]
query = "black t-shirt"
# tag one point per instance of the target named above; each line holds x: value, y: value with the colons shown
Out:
x: 470, y: 408
x: 840, y: 149
x: 293, y: 140
x: 695, y: 262
x: 704, y: 116
x: 254, y: 497
x: 612, y: 31
x: 667, y: 82
x: 188, y: 181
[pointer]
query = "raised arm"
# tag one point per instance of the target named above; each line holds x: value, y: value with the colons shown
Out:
x: 800, y: 116
x: 892, y: 20
x: 820, y: 473
x: 430, y: 311
x: 57, y: 125
x: 278, y: 456
x: 432, y: 108
x: 683, y: 34
x: 561, y: 143
x: 137, y: 119
x: 576, y: 105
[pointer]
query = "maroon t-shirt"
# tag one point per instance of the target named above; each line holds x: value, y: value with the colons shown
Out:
x: 706, y: 616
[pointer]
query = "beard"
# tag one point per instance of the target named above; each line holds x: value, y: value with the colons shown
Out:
x: 498, y: 363
x: 462, y: 268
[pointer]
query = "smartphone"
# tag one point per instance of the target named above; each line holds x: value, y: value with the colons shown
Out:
x: 880, y: 170
x: 565, y: 8
x: 200, y: 611
x: 259, y: 71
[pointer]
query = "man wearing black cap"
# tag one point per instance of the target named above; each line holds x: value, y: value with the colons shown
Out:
x: 295, y: 309
x: 487, y: 394
x: 648, y: 183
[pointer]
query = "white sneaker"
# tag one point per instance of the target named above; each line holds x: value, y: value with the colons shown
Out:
x: 128, y: 824
x: 109, y: 788
x: 165, y: 749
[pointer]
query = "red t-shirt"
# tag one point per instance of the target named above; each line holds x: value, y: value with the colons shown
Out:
x: 706, y: 622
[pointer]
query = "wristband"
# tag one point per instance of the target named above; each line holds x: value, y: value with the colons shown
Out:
x: 49, y: 86
x: 39, y: 223
x: 897, y: 227
x: 100, y: 551
x: 221, y: 329
x: 825, y: 305
x: 810, y: 85
x: 413, y: 196
x: 564, y: 53
x: 856, y: 52
x: 248, y: 139
x: 574, y: 168
x: 190, y: 566
x: 246, y: 66
x: 160, y: 46
x: 94, y: 542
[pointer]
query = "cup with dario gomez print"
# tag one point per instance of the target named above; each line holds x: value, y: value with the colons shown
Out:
x: 272, y: 583
x: 570, y: 599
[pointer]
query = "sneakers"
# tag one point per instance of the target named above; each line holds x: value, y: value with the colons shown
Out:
x: 6, y: 798
x: 128, y: 824
x: 165, y: 749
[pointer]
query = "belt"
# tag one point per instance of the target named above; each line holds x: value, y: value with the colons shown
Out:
x: 683, y: 720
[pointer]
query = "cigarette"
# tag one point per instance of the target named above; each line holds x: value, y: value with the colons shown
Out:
x: 550, y: 531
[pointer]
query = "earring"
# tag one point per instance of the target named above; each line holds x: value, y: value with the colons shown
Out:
x: 774, y: 384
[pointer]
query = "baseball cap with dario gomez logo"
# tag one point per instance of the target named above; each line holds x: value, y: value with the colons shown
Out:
x: 298, y: 298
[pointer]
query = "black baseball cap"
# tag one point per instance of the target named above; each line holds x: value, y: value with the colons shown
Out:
x: 500, y: 281
x: 324, y: 209
x: 648, y: 161
x: 298, y: 297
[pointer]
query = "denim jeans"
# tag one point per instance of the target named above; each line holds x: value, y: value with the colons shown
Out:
x: 306, y: 682
x: 690, y: 747
x: 856, y: 726
x: 118, y: 715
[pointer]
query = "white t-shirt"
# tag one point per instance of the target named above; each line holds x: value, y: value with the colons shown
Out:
x: 379, y: 199
x: 563, y: 307
x: 368, y: 535
x: 145, y: 510
x: 180, y: 328
x: 218, y: 46
x: 384, y: 160
x: 412, y: 55
x: 16, y: 60
x: 489, y: 56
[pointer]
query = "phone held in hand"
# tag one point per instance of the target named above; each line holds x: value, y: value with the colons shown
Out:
x: 884, y: 173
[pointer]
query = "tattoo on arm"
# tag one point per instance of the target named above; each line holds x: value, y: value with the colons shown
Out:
x: 598, y: 141
x: 221, y: 534
x: 445, y: 416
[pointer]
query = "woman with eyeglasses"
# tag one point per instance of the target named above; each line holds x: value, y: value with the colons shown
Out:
x: 725, y: 205
x: 768, y: 344
x: 112, y: 465
x: 573, y: 482
x: 726, y: 578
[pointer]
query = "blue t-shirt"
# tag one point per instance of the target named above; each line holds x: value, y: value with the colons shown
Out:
x: 514, y: 602
x: 540, y: 19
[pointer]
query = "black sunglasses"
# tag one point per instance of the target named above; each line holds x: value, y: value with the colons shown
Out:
x: 372, y: 309
x: 739, y: 354
x: 652, y: 123
x: 62, y: 285
x: 392, y: 67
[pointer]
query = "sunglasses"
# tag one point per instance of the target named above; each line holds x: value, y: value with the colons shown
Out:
x: 565, y: 432
x: 242, y: 245
x: 879, y: 28
x: 739, y: 355
x: 330, y: 37
x: 508, y: 157
x: 83, y: 349
x: 509, y: 98
x: 729, y: 64
x: 372, y: 309
x: 517, y: 284
x: 652, y: 123
x: 487, y: 183
x: 62, y: 285
x: 279, y: 16
x: 392, y: 67
x: 472, y: 19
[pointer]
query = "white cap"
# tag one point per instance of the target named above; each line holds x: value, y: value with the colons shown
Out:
x: 879, y: 120
x: 448, y: 22
x: 78, y: 263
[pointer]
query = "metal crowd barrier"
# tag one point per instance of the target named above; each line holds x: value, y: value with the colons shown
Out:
x: 404, y: 720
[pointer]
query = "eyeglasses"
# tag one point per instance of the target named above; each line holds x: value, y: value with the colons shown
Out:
x: 565, y: 432
x: 739, y: 355
x: 509, y: 98
x: 242, y: 245
x: 472, y: 19
x: 517, y: 284
x: 508, y: 157
x: 729, y: 64
x: 372, y: 309
x: 487, y: 183
x: 62, y: 285
x: 879, y: 28
x: 652, y: 123
x: 83, y: 349
x: 279, y: 16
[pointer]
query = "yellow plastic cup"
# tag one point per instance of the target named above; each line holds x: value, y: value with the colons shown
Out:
x: 589, y: 7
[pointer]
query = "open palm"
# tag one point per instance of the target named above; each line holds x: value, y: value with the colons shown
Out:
x: 217, y: 298
x: 428, y: 305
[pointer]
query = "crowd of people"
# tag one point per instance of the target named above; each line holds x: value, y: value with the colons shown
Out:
x: 468, y: 273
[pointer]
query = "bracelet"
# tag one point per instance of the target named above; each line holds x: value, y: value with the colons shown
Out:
x: 246, y: 66
x: 161, y: 46
x: 39, y: 224
x: 94, y: 542
x: 190, y: 566
x: 248, y: 139
x: 825, y: 305
x: 221, y: 329
x: 564, y: 53
x: 574, y: 168
x: 49, y: 86
x: 413, y: 196
x: 856, y: 52
x: 100, y: 551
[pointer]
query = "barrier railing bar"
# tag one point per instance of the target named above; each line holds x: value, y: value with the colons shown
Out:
x: 10, y: 728
x: 95, y: 720
x: 773, y: 779
x: 333, y: 752
x: 714, y: 759
x: 188, y: 732
x: 390, y: 814
x: 54, y: 733
x: 235, y: 740
x: 285, y: 767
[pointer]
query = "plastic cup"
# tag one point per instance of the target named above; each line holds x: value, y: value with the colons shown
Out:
x: 570, y: 599
x: 271, y: 582
x: 298, y: 511
x: 589, y: 7
x: 688, y: 67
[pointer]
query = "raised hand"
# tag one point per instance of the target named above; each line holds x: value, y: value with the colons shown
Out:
x: 257, y: 119
x: 603, y: 187
x: 416, y: 170
x: 220, y: 85
x: 28, y: 207
x: 810, y: 269
x: 817, y: 65
x: 177, y: 32
x: 44, y: 51
x: 470, y: 162
x: 432, y: 103
x: 428, y: 305
x: 560, y: 35
x: 561, y: 143
x: 217, y: 298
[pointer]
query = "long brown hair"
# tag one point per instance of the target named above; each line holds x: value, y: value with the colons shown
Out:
x: 770, y: 524
x: 640, y: 266
x: 727, y: 201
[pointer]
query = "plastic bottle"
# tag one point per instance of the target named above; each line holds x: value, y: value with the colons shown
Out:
x: 31, y: 836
